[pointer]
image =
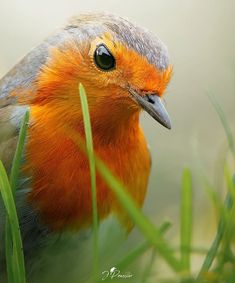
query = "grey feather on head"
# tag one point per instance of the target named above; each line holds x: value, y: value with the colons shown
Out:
x: 91, y: 25
x: 81, y: 28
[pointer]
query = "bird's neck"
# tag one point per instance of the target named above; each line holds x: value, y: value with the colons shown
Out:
x: 111, y: 122
x: 116, y: 125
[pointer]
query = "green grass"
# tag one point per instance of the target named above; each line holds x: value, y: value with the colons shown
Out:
x: 92, y: 165
x: 213, y: 250
x: 186, y: 220
x: 139, y: 250
x: 219, y: 261
x: 13, y: 242
x: 224, y: 122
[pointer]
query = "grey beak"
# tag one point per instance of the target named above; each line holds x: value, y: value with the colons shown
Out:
x: 152, y: 104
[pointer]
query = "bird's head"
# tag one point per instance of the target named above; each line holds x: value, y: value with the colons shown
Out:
x: 123, y: 67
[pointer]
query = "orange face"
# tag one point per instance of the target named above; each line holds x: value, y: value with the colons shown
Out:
x: 131, y: 69
x: 77, y: 63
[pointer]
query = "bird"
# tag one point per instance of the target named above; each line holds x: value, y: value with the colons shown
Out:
x: 125, y: 70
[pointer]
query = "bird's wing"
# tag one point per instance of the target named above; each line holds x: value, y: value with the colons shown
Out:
x: 23, y: 77
x: 11, y: 114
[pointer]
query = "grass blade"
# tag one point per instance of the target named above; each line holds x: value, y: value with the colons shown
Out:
x: 9, y: 204
x: 10, y: 254
x: 149, y: 266
x: 217, y: 240
x: 138, y: 251
x: 186, y: 219
x: 147, y: 271
x: 91, y: 158
x: 224, y: 122
x: 15, y: 169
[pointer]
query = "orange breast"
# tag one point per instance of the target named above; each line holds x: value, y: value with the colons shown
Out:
x: 60, y: 172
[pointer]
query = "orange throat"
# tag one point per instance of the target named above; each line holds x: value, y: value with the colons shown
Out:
x: 59, y: 169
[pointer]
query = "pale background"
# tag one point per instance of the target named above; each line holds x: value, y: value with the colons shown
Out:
x: 200, y: 36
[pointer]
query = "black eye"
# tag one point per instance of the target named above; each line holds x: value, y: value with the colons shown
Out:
x: 103, y: 58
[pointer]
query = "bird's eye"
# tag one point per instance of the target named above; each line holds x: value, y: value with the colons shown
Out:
x: 103, y: 58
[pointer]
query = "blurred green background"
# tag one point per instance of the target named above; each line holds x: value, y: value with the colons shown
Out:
x: 200, y: 36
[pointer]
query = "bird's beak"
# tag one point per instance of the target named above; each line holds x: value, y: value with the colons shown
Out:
x: 152, y: 104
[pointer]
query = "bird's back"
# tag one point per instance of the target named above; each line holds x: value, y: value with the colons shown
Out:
x: 34, y: 234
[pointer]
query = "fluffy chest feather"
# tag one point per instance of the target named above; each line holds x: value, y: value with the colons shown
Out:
x: 60, y: 174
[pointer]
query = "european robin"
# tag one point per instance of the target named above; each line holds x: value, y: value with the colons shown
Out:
x: 125, y: 69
